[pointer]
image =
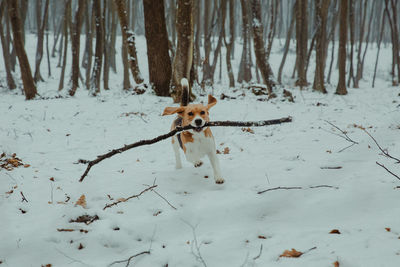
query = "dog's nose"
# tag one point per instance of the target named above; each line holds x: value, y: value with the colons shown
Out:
x: 198, y: 122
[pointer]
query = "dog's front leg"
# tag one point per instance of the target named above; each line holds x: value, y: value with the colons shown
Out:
x: 178, y: 161
x: 215, y: 164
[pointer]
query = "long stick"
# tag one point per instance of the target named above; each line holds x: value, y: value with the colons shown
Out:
x: 172, y: 133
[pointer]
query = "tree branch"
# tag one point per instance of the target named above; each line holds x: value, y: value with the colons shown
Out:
x: 130, y: 258
x: 383, y: 166
x: 126, y: 199
x: 113, y: 152
x: 385, y: 152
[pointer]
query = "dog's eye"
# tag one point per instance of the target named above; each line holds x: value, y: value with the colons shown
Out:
x: 190, y: 113
x: 202, y: 112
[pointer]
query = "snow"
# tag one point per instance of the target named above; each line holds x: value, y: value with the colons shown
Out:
x: 231, y: 221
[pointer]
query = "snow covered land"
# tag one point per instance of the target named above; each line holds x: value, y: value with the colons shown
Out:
x: 332, y: 184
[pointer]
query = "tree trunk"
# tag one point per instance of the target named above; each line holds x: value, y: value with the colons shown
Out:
x: 40, y: 36
x: 245, y: 65
x: 129, y: 40
x: 363, y: 15
x: 98, y: 57
x: 184, y: 50
x: 321, y: 9
x: 341, y: 87
x: 67, y: 15
x: 6, y: 55
x: 259, y: 48
x: 231, y: 36
x: 75, y: 44
x: 287, y: 43
x: 379, y: 46
x: 351, y: 27
x: 106, y: 46
x: 157, y: 46
x: 16, y: 25
x: 301, y: 41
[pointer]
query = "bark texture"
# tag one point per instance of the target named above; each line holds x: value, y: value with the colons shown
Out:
x: 157, y: 46
x: 27, y: 79
x: 341, y: 87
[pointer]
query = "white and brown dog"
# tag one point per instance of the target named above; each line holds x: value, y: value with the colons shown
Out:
x: 198, y: 142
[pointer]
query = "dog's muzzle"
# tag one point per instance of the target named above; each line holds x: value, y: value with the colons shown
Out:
x: 198, y: 124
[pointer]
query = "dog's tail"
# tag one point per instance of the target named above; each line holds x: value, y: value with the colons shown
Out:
x: 185, y: 92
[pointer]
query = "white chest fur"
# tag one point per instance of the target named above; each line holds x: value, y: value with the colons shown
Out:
x: 200, y: 147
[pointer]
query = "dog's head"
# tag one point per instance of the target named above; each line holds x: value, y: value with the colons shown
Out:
x: 193, y: 114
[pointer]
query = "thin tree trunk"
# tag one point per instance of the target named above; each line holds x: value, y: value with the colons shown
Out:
x: 367, y: 40
x: 182, y: 64
x: 40, y: 34
x: 113, y: 37
x: 363, y: 15
x: 351, y: 26
x: 106, y: 47
x: 157, y: 46
x: 129, y: 40
x: 245, y: 65
x: 321, y: 8
x: 287, y: 43
x: 67, y: 15
x: 27, y: 79
x: 75, y: 44
x: 379, y: 47
x: 229, y: 44
x: 301, y: 42
x: 259, y: 48
x: 332, y: 38
x: 341, y: 87
x: 98, y: 57
x: 5, y: 48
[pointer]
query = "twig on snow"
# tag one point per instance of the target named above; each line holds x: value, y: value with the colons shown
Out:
x: 196, y: 253
x: 280, y: 187
x: 128, y: 261
x: 113, y: 152
x: 126, y: 199
x: 385, y: 152
x: 259, y: 254
x: 296, y: 187
x: 383, y: 166
x: 343, y: 135
x: 23, y: 197
x: 158, y: 194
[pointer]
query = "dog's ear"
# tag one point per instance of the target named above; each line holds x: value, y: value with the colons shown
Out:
x: 173, y: 110
x: 211, y: 101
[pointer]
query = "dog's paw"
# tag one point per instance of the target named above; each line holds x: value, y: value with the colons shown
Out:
x: 198, y: 164
x: 219, y: 180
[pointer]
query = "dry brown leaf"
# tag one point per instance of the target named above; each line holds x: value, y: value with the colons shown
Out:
x: 262, y: 237
x: 226, y: 150
x: 81, y: 202
x: 27, y: 165
x: 51, y: 179
x: 80, y: 246
x: 388, y: 229
x: 335, y: 231
x: 248, y: 129
x: 47, y: 265
x: 291, y: 253
x: 336, y: 264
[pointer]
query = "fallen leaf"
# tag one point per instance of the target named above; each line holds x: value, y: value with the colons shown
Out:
x: 388, y: 229
x: 335, y: 231
x: 65, y: 230
x: 262, y: 237
x: 336, y: 264
x: 291, y: 253
x: 80, y: 246
x: 248, y: 129
x: 51, y: 179
x: 226, y: 150
x: 27, y: 165
x: 81, y: 202
x: 47, y: 265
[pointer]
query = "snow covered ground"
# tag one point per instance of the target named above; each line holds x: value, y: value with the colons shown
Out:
x: 212, y: 225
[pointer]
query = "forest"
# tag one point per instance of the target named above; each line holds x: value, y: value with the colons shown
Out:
x: 307, y: 97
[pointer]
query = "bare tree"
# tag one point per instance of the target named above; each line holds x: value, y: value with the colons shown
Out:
x: 341, y: 87
x: 39, y: 48
x: 259, y: 48
x: 301, y: 42
x: 182, y: 63
x: 157, y: 46
x: 66, y: 20
x: 245, y: 62
x: 27, y: 79
x: 98, y: 57
x: 321, y: 10
x: 75, y: 45
x: 6, y: 55
x: 129, y: 40
x: 231, y: 35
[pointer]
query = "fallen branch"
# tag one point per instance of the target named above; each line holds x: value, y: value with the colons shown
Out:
x: 383, y: 166
x: 126, y: 199
x: 344, y: 136
x: 130, y: 258
x: 296, y: 187
x: 23, y: 197
x: 172, y: 133
x: 385, y: 152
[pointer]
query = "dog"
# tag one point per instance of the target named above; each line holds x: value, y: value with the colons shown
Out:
x: 198, y: 142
